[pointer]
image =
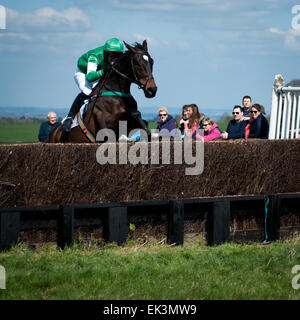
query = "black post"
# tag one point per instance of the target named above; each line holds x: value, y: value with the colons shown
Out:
x: 272, y: 226
x: 176, y: 223
x: 116, y: 225
x: 219, y: 222
x: 9, y: 229
x: 65, y: 226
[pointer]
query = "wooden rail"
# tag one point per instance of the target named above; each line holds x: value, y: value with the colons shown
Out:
x: 116, y: 217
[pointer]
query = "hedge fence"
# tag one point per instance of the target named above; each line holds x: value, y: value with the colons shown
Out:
x: 44, y: 174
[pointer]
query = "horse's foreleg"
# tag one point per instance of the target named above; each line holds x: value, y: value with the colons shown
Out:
x: 136, y: 115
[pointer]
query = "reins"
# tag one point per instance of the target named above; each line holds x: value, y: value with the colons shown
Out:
x: 95, y: 97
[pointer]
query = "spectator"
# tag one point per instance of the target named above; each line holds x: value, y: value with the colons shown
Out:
x: 247, y: 102
x: 257, y: 126
x: 165, y: 122
x: 236, y: 127
x: 191, y: 119
x: 211, y: 131
x: 47, y: 127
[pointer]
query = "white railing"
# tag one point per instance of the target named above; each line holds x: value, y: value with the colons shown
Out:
x: 285, y: 113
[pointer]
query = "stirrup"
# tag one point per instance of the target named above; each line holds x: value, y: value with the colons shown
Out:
x: 67, y: 123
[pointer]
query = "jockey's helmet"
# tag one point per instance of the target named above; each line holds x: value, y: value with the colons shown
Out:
x: 114, y: 45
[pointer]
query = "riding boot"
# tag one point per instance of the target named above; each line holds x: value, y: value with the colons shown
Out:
x: 78, y: 102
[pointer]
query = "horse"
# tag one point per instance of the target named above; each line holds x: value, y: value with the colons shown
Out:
x: 111, y: 100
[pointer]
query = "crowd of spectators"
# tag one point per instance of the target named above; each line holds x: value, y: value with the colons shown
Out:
x: 248, y: 122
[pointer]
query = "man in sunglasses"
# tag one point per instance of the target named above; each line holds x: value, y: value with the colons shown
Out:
x: 91, y: 66
x: 236, y: 126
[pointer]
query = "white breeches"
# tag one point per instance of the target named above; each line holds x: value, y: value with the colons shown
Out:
x: 82, y: 83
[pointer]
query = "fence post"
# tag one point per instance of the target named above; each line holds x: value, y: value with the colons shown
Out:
x: 65, y: 226
x: 176, y: 222
x: 273, y: 218
x: 116, y: 227
x: 273, y: 115
x: 9, y: 229
x: 219, y: 222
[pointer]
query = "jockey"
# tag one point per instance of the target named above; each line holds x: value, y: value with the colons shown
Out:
x: 90, y: 68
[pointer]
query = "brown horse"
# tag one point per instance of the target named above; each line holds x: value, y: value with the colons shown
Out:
x: 111, y: 100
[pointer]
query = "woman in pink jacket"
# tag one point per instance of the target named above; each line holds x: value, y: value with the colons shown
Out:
x: 211, y: 131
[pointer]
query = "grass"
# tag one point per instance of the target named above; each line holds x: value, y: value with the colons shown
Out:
x: 152, y: 271
x: 19, y: 133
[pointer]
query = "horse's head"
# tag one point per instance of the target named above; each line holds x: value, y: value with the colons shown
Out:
x: 142, y: 66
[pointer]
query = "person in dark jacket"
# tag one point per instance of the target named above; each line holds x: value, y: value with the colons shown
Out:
x: 165, y: 122
x: 247, y: 102
x: 47, y: 127
x: 236, y: 126
x: 258, y: 126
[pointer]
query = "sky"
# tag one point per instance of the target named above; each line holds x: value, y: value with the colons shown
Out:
x: 207, y: 52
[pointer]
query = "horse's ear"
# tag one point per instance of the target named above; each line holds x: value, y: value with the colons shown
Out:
x: 129, y: 47
x: 145, y: 46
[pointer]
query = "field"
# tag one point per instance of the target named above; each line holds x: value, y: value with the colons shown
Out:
x: 147, y: 270
x: 17, y: 133
x: 139, y: 271
x: 26, y: 133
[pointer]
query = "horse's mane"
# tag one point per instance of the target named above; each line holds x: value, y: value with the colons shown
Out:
x: 138, y: 46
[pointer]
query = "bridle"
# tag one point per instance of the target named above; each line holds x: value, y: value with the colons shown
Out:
x: 136, y: 79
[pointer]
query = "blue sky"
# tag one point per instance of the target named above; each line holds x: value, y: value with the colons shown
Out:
x: 207, y: 52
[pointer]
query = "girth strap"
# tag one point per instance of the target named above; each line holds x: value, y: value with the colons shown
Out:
x: 115, y: 93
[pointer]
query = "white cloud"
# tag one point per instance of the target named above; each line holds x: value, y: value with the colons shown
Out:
x: 47, y: 19
x: 292, y: 39
x: 141, y: 37
x: 46, y: 29
x: 11, y: 35
x: 276, y: 31
x: 163, y: 5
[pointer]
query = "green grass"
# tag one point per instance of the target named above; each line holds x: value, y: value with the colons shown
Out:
x: 19, y: 133
x: 152, y: 271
